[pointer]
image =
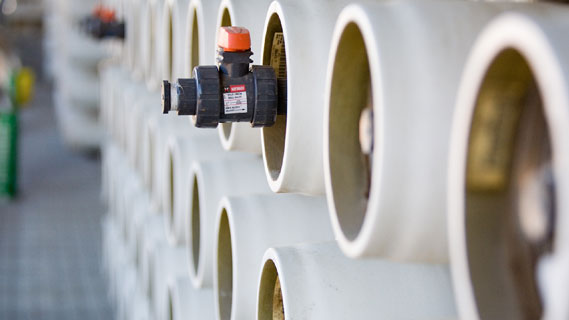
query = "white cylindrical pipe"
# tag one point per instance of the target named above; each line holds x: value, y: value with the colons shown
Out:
x: 139, y: 40
x: 108, y: 238
x: 127, y: 288
x: 387, y: 123
x: 167, y: 40
x: 187, y: 302
x: 138, y: 210
x: 132, y: 93
x: 132, y: 198
x: 135, y: 121
x: 108, y: 160
x: 178, y: 156
x: 150, y: 236
x: 112, y: 79
x: 167, y: 262
x: 200, y: 34
x: 292, y: 147
x: 208, y: 183
x: 149, y: 43
x: 108, y: 72
x: 316, y: 281
x: 246, y: 228
x: 240, y: 136
x: 511, y: 124
x: 132, y: 20
x: 118, y: 179
x: 180, y: 21
x: 157, y: 129
x: 140, y: 308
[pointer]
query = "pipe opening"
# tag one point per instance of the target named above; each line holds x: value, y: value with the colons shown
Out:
x: 226, y: 22
x: 150, y: 270
x: 138, y: 251
x: 351, y: 132
x: 270, y: 304
x: 224, y: 268
x: 195, y: 227
x: 509, y: 191
x: 170, y: 305
x: 195, y: 50
x: 274, y: 54
x: 170, y: 53
x: 151, y: 42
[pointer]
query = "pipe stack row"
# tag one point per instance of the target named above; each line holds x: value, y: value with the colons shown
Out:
x: 71, y: 62
x: 421, y: 170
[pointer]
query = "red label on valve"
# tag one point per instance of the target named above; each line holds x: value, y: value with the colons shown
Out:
x: 237, y: 88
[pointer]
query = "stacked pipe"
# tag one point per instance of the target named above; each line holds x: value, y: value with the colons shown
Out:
x: 71, y: 60
x: 418, y: 171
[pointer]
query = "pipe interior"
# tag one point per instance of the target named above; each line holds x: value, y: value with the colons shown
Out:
x: 150, y: 270
x: 508, y: 183
x: 226, y: 22
x: 195, y: 227
x: 151, y: 42
x: 195, y: 50
x: 270, y: 304
x: 138, y: 250
x: 170, y: 53
x: 170, y: 306
x: 224, y: 268
x: 274, y: 54
x: 350, y: 96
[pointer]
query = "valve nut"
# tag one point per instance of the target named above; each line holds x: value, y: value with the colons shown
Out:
x: 208, y: 100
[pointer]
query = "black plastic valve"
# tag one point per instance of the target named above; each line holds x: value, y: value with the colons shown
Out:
x: 102, y: 24
x: 232, y: 91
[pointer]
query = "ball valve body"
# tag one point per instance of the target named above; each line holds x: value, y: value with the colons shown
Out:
x: 232, y: 91
x: 102, y: 23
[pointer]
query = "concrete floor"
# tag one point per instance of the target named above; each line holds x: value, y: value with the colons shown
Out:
x: 50, y: 236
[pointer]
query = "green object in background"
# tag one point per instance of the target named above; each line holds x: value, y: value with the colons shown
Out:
x: 20, y: 91
x: 8, y: 153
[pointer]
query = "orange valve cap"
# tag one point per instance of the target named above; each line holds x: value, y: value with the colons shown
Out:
x: 234, y: 39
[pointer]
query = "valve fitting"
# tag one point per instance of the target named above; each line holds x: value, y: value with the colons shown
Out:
x: 102, y: 23
x: 232, y: 91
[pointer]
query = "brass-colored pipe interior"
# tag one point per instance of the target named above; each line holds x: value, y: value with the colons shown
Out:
x: 509, y: 155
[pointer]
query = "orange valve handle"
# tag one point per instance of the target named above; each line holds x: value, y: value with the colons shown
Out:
x: 234, y: 39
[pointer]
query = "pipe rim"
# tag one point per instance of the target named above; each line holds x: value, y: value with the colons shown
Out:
x: 508, y: 31
x: 276, y: 176
x: 270, y: 273
x: 224, y: 213
x: 149, y: 46
x: 170, y: 176
x: 167, y: 30
x: 225, y: 16
x: 358, y: 245
x: 195, y: 252
x: 149, y: 152
x: 170, y: 310
x: 192, y: 55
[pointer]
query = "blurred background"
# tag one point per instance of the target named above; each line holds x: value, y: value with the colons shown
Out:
x: 50, y: 208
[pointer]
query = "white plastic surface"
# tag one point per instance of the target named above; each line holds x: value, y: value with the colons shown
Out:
x: 318, y: 282
x: 256, y: 223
